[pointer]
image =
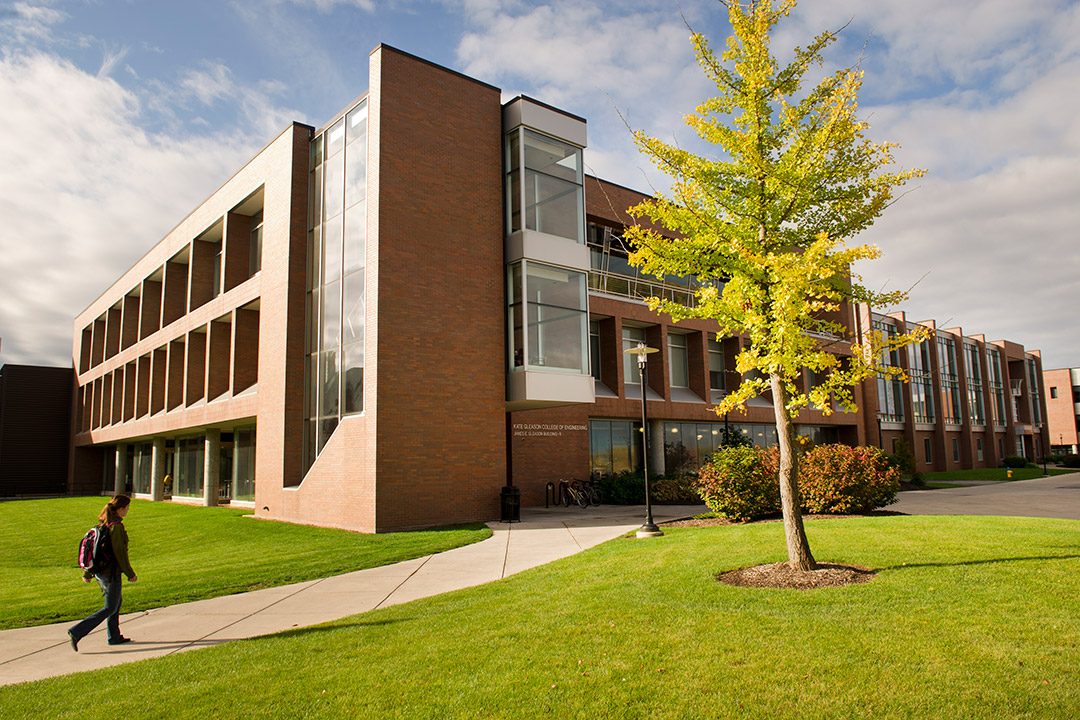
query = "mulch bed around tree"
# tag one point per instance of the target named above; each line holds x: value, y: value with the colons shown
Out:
x: 781, y: 575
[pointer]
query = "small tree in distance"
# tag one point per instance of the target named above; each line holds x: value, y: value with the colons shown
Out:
x: 763, y: 227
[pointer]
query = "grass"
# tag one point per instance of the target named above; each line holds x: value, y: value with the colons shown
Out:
x: 988, y: 474
x: 968, y: 617
x: 181, y: 553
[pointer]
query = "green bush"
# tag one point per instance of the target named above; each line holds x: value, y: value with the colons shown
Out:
x: 739, y: 483
x: 1014, y: 462
x: 675, y: 489
x: 1071, y: 461
x: 628, y: 488
x: 623, y: 488
x: 904, y: 461
x: 839, y: 479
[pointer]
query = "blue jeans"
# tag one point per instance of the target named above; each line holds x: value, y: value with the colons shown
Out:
x: 110, y: 588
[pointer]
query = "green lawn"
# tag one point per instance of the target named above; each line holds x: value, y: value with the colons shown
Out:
x: 968, y: 617
x: 181, y: 553
x: 989, y: 474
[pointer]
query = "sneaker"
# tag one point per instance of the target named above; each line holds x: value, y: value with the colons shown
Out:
x: 74, y: 641
x: 120, y: 640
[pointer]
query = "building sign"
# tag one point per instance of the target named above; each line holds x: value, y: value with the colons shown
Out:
x: 546, y: 429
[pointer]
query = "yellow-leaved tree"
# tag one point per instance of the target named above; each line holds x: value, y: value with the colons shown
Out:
x: 763, y: 226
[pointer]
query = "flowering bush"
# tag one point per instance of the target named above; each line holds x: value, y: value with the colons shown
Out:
x: 740, y: 483
x: 841, y: 479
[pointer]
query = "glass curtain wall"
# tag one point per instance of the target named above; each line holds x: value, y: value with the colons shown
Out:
x: 890, y: 388
x: 614, y: 446
x: 143, y: 467
x: 545, y: 185
x: 997, y: 387
x: 922, y: 384
x: 337, y: 251
x: 1034, y: 391
x: 243, y: 469
x: 553, y: 301
x: 950, y: 381
x: 974, y: 384
x: 188, y: 478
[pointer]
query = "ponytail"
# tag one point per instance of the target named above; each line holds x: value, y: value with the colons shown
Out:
x: 109, y: 514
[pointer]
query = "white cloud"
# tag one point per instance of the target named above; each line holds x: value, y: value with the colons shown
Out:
x: 85, y: 192
x: 25, y: 22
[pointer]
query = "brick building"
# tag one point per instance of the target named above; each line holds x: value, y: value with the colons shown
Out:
x: 1062, y: 397
x: 379, y: 323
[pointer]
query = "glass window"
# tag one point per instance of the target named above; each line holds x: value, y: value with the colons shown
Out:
x: 331, y: 249
x: 188, y: 478
x: 328, y: 373
x: 677, y: 357
x: 558, y: 324
x: 353, y: 304
x: 353, y: 385
x: 716, y: 365
x: 550, y: 189
x: 255, y: 248
x: 631, y: 336
x: 956, y: 450
x: 515, y: 320
x: 974, y: 384
x: 928, y: 450
x: 594, y: 348
x: 614, y: 446
x: 335, y: 138
x: 1053, y: 393
x: 334, y: 186
x: 979, y: 448
x: 331, y: 316
x: 244, y: 464
x: 355, y: 244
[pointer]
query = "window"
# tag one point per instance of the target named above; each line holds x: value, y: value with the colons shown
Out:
x: 677, y: 359
x: 974, y: 383
x: 956, y: 450
x: 1001, y: 447
x: 544, y: 185
x: 922, y: 385
x: 255, y: 247
x: 594, y: 348
x: 928, y: 450
x: 552, y: 303
x: 336, y: 301
x: 716, y: 366
x: 614, y: 446
x: 889, y: 387
x: 631, y: 336
x: 1033, y: 384
x: 215, y: 277
x: 1053, y: 393
x: 950, y: 385
x: 997, y: 387
x: 978, y: 448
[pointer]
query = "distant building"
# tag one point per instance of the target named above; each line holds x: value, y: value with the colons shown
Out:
x: 35, y: 430
x: 379, y: 323
x: 1062, y: 388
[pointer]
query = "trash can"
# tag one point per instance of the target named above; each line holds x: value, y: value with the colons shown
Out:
x: 510, y: 502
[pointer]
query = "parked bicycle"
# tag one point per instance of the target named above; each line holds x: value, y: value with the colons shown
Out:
x: 580, y: 493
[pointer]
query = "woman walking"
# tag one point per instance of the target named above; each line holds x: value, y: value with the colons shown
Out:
x: 109, y: 577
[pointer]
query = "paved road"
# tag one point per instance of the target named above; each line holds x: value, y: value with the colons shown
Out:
x: 1057, y: 496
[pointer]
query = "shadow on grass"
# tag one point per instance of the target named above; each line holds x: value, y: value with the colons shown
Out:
x: 990, y: 561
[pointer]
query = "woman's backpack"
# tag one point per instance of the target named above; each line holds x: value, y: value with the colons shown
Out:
x: 95, y: 550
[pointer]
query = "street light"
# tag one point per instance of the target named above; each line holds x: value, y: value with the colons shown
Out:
x: 880, y: 442
x: 649, y: 529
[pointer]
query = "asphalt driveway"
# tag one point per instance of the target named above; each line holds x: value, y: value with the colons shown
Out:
x: 1057, y: 496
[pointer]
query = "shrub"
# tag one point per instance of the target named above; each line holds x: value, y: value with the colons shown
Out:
x: 674, y: 489
x: 1071, y: 461
x: 1014, y: 462
x: 739, y: 483
x: 841, y: 479
x: 623, y: 488
x: 904, y: 461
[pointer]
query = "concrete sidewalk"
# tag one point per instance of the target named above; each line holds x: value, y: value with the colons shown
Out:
x: 543, y: 535
x: 1056, y: 496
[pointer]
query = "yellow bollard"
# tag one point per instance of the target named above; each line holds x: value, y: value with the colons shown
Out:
x: 1008, y: 473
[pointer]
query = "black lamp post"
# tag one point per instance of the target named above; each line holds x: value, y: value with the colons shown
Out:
x: 880, y: 442
x: 649, y: 529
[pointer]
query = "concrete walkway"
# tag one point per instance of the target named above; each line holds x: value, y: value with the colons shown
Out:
x: 543, y: 535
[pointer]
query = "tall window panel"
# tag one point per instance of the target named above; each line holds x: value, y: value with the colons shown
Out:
x: 678, y: 359
x: 997, y: 387
x: 544, y: 185
x: 337, y: 251
x: 890, y: 388
x: 547, y: 318
x: 922, y: 383
x: 614, y: 446
x: 1034, y: 392
x: 631, y: 336
x: 716, y: 368
x: 950, y: 381
x: 974, y: 383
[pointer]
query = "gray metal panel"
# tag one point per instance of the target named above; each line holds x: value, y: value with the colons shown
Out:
x: 551, y: 249
x: 528, y: 112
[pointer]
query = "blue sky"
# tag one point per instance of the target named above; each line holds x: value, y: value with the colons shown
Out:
x: 121, y: 116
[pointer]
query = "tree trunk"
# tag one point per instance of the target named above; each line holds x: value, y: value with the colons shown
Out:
x: 798, y: 548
